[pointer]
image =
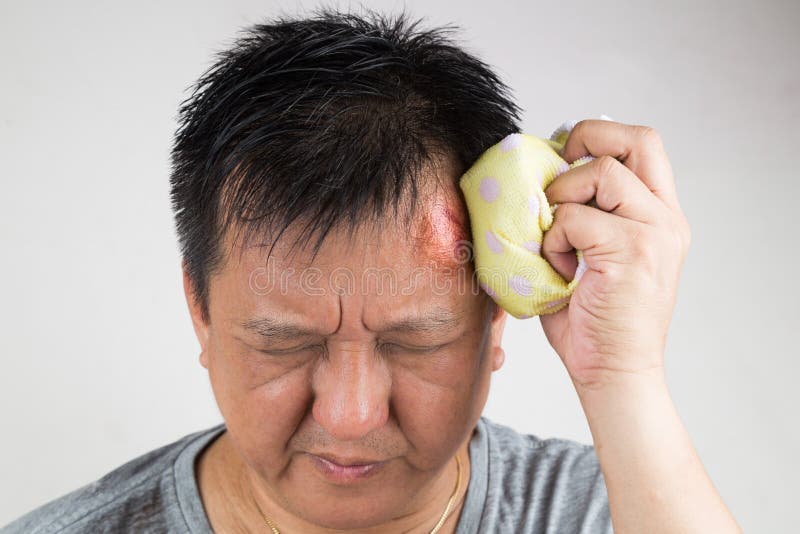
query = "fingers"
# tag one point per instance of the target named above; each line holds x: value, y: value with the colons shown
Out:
x: 597, y: 233
x: 615, y: 187
x: 639, y: 148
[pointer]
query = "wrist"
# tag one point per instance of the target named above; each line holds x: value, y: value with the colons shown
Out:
x: 654, y: 477
x: 620, y: 383
x: 617, y: 403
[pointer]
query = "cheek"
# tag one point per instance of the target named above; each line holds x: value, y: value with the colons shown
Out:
x: 436, y: 411
x: 262, y: 406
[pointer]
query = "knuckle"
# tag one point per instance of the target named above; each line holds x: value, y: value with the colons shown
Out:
x: 608, y: 178
x: 564, y: 211
x: 644, y: 248
x: 649, y: 136
x: 580, y: 125
x: 577, y: 130
x: 614, y: 270
x: 572, y: 210
x: 606, y: 165
x: 679, y: 229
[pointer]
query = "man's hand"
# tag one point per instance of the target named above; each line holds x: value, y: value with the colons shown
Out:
x: 634, y: 244
x: 611, y: 336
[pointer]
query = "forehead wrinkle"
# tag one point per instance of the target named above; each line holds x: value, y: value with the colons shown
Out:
x: 435, y: 319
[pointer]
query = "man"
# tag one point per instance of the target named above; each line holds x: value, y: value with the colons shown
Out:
x: 315, y: 189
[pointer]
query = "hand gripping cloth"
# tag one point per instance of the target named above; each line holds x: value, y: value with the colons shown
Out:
x: 509, y: 214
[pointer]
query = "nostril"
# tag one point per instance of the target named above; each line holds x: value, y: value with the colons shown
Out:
x: 351, y: 393
x: 347, y: 414
x: 347, y: 424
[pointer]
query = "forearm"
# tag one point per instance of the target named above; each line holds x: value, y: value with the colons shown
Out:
x: 655, y: 480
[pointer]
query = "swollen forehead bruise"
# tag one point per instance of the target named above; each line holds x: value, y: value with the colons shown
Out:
x: 445, y: 229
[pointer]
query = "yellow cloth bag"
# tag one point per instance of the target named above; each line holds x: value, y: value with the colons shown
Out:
x: 509, y: 214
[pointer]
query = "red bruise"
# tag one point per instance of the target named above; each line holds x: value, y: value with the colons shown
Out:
x: 444, y: 233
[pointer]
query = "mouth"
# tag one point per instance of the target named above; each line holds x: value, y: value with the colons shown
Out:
x: 346, y: 470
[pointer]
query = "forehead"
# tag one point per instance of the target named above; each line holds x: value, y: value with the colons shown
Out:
x: 443, y: 227
x: 391, y: 267
x: 436, y: 227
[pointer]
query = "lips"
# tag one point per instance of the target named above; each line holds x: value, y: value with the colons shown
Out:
x: 346, y: 462
x: 341, y: 470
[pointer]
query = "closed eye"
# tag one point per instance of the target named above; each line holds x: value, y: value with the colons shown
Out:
x: 397, y: 348
x: 391, y: 348
x: 293, y: 351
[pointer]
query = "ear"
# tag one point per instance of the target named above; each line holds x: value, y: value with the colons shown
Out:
x: 497, y: 326
x: 201, y: 329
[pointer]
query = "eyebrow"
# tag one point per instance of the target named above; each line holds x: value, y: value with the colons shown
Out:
x: 434, y: 321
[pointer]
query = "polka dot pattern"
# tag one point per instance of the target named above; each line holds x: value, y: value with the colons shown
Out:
x: 533, y: 206
x: 505, y: 195
x: 558, y: 302
x: 510, y: 142
x: 520, y: 285
x: 489, y: 189
x: 493, y: 243
x: 537, y: 176
x: 533, y: 246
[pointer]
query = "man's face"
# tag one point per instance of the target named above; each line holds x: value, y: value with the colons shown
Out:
x: 374, y: 352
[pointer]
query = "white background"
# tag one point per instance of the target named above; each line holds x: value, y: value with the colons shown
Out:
x: 99, y: 361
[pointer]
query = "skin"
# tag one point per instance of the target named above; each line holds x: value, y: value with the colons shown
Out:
x: 611, y: 338
x: 420, y: 411
x: 355, y: 387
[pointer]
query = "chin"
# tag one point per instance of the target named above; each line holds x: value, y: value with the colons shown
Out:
x: 362, y: 503
x: 347, y: 512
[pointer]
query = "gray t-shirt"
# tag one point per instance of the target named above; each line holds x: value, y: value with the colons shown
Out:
x: 518, y: 483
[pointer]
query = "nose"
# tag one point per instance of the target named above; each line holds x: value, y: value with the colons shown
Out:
x: 352, y: 388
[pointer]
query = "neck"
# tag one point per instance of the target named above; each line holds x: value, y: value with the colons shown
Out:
x: 232, y: 494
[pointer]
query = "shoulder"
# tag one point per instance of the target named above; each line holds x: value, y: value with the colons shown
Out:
x: 538, y: 485
x: 135, y: 496
x: 516, y: 449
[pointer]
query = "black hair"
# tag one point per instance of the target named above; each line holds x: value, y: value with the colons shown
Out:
x: 327, y: 119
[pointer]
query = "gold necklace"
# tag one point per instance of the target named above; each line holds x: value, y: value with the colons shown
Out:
x: 436, y: 528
